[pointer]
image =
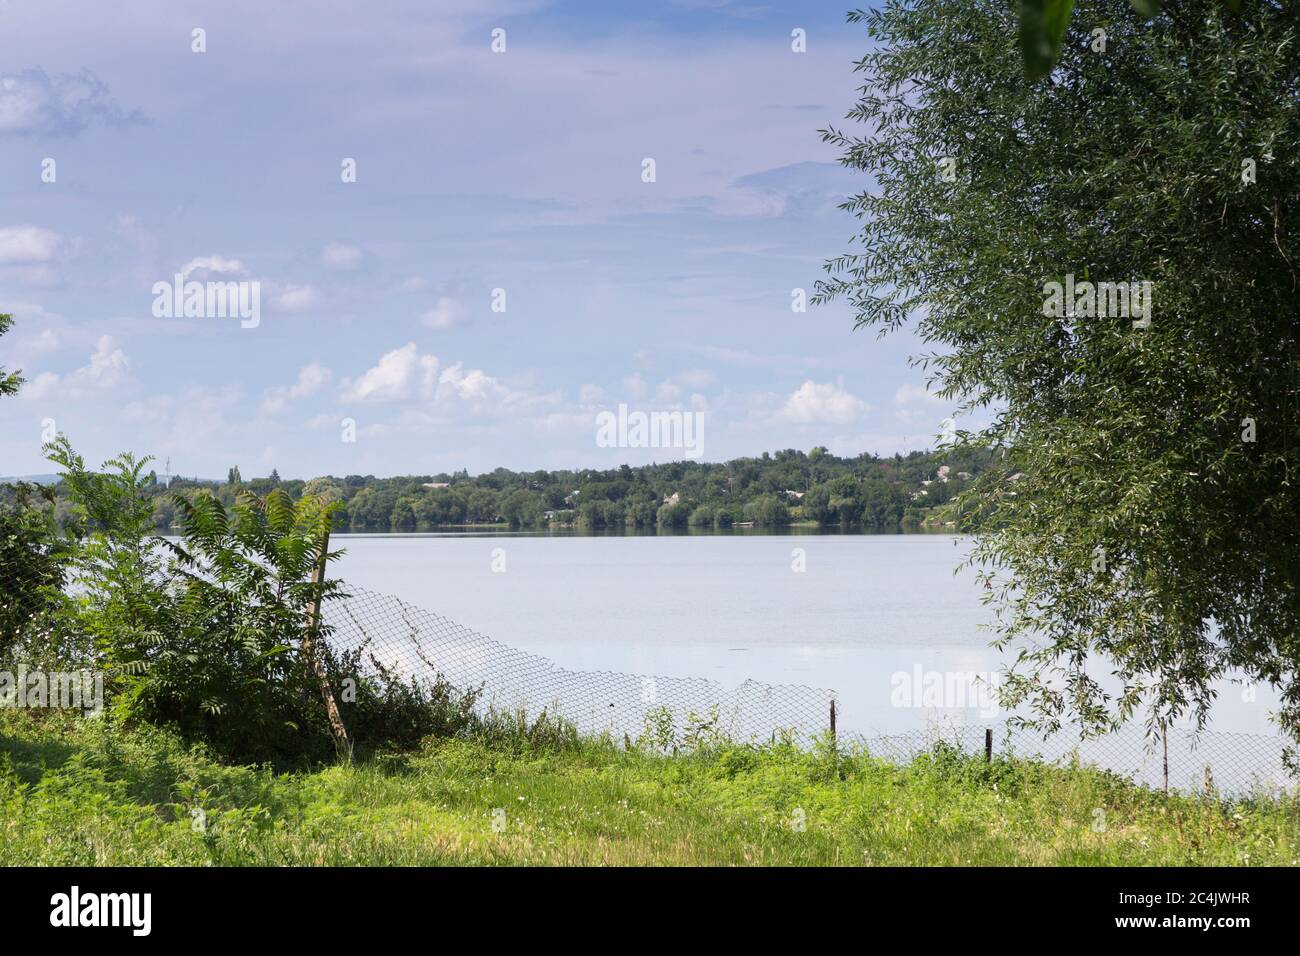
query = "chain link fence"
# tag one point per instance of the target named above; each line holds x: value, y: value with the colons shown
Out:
x: 418, y: 643
x: 1230, y: 764
x: 421, y: 644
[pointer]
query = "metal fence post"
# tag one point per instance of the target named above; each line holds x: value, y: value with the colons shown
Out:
x: 1164, y: 741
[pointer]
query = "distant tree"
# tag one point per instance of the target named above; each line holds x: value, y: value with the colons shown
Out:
x: 768, y: 511
x: 233, y: 478
x: 817, y: 505
x: 522, y: 509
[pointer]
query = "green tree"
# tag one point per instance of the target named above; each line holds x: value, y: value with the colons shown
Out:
x: 523, y: 509
x: 1043, y: 25
x: 34, y: 555
x: 1144, y: 514
x: 9, y: 381
x: 768, y: 511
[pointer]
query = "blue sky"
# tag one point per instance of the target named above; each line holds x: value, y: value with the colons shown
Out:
x: 476, y: 171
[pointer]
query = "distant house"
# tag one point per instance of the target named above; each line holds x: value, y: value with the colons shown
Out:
x: 673, y: 499
x: 965, y: 475
x: 437, y: 484
x: 943, y: 472
x: 796, y: 495
x: 919, y: 494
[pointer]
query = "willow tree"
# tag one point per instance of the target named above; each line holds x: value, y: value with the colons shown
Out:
x: 1152, y: 528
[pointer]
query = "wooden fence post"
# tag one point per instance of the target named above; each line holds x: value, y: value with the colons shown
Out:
x: 342, y: 743
x: 988, y: 744
x: 832, y: 721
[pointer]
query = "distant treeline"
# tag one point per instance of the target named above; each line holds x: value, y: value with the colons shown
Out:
x: 771, y: 491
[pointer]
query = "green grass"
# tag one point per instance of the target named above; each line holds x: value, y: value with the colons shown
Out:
x: 81, y: 792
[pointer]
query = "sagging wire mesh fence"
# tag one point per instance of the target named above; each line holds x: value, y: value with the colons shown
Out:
x: 422, y: 644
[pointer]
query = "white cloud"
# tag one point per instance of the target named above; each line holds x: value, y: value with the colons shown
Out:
x: 911, y: 395
x: 336, y: 255
x: 590, y: 394
x: 212, y: 265
x: 446, y: 314
x: 25, y: 245
x: 815, y: 402
x: 917, y: 408
x: 396, y: 377
x: 635, y: 385
x: 295, y: 298
x: 441, y: 394
x: 107, y: 368
x: 695, y: 378
x: 47, y: 341
x: 36, y: 103
x: 311, y: 379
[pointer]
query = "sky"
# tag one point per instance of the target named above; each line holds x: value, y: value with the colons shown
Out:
x: 499, y: 273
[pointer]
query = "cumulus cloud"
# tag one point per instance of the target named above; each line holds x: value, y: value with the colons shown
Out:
x: 34, y: 103
x: 399, y: 374
x: 107, y: 368
x: 817, y: 402
x: 26, y: 245
x: 916, y: 407
x: 446, y: 314
x: 311, y: 379
x: 295, y: 298
x: 912, y: 395
x: 339, y: 256
x: 202, y: 266
x: 695, y: 378
x: 438, y: 392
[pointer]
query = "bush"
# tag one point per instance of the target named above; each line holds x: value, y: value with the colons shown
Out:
x: 213, y: 635
x: 33, y: 562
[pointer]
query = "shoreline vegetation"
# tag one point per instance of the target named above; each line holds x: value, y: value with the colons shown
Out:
x: 932, y: 526
x: 82, y: 792
x: 787, y: 489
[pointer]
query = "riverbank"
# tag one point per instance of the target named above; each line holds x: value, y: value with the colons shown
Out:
x: 81, y: 792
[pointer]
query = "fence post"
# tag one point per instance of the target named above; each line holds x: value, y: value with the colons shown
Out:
x: 832, y: 721
x: 342, y: 743
x: 988, y: 744
x: 1164, y: 741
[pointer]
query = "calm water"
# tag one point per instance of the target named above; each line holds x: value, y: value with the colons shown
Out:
x: 730, y: 607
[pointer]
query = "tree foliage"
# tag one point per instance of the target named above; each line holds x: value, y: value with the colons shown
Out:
x: 9, y: 381
x: 1153, y: 526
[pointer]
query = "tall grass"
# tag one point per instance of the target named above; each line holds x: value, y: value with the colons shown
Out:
x: 76, y: 791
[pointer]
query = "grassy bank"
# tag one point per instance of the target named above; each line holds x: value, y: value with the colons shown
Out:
x: 76, y: 791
